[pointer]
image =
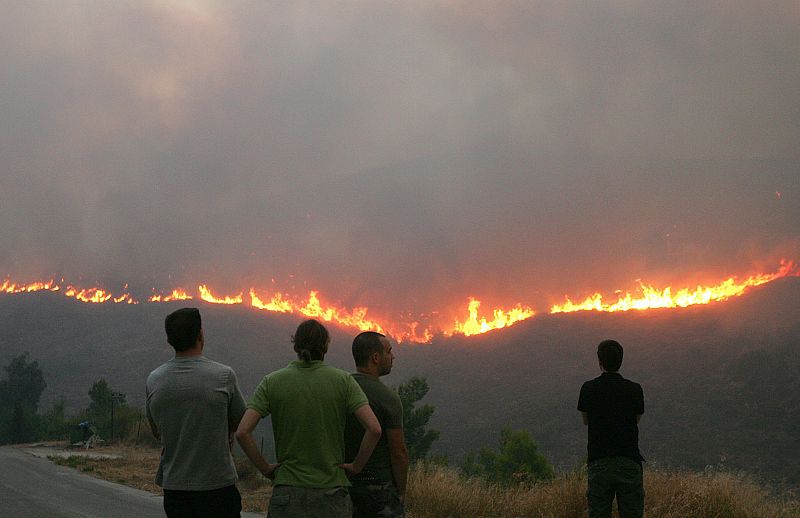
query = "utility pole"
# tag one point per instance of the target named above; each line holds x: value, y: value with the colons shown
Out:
x: 115, y: 397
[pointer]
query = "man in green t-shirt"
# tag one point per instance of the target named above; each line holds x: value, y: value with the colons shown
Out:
x: 379, y: 490
x: 309, y: 403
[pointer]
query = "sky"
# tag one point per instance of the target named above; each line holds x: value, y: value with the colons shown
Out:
x: 399, y: 155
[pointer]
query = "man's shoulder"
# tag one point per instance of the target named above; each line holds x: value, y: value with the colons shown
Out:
x: 589, y: 384
x: 159, y: 372
x: 334, y: 372
x: 378, y: 393
x: 371, y: 385
x: 217, y: 366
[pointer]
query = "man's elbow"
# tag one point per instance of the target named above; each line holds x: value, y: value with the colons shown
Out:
x: 241, y: 435
x: 375, y: 430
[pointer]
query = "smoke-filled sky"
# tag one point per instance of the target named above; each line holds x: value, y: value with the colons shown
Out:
x: 401, y: 155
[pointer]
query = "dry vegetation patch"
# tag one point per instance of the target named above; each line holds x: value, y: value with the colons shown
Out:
x: 440, y: 492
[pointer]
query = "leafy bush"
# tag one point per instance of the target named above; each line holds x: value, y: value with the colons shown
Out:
x: 518, y: 460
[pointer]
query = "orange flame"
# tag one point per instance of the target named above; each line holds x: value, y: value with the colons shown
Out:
x: 651, y: 298
x: 206, y: 295
x: 10, y: 287
x: 413, y: 334
x: 473, y: 326
x: 177, y: 294
x: 355, y: 319
x: 405, y: 327
x: 97, y: 296
x: 277, y: 303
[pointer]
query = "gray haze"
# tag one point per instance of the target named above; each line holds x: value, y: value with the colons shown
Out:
x: 403, y: 155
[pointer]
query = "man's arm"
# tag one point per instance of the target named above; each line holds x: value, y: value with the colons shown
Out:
x: 585, y: 417
x: 151, y: 421
x: 638, y: 417
x: 372, y: 432
x: 236, y: 405
x: 244, y: 434
x: 398, y: 458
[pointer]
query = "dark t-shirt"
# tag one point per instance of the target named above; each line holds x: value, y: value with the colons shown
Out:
x: 386, y: 405
x: 612, y: 404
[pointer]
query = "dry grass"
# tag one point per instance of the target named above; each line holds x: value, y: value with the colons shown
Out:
x: 439, y: 492
x: 136, y: 466
x: 436, y: 492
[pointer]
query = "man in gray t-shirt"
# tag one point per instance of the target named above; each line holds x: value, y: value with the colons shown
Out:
x: 194, y: 405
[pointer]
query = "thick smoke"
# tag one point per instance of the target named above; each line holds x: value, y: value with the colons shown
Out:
x: 397, y: 155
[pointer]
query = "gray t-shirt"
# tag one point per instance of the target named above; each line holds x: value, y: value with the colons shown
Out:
x: 194, y: 403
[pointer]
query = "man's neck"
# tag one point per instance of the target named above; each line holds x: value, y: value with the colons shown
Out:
x: 194, y: 352
x: 368, y: 371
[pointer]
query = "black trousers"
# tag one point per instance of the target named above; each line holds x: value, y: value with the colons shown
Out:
x: 215, y: 503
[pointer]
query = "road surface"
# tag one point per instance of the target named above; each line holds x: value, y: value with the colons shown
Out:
x: 35, y: 487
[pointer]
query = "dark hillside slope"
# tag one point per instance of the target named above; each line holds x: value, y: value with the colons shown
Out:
x: 722, y: 382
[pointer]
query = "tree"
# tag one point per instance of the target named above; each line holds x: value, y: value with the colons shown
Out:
x: 20, y: 392
x: 108, y: 411
x: 56, y: 424
x: 517, y: 462
x: 415, y: 420
x: 23, y: 385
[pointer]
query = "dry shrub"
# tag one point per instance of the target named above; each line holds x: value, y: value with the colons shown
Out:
x: 440, y: 492
x: 712, y: 494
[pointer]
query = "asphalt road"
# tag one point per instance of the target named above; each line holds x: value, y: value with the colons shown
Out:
x: 35, y: 487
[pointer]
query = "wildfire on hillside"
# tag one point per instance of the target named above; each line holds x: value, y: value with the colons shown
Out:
x: 177, y: 294
x: 649, y: 297
x: 410, y: 329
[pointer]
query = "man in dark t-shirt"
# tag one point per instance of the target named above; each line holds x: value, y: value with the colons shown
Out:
x: 611, y: 406
x: 379, y: 490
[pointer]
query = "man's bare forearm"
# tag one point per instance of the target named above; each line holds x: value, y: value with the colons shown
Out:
x: 372, y: 432
x: 250, y: 449
x: 398, y: 458
x: 399, y: 463
x: 368, y: 443
x: 244, y: 434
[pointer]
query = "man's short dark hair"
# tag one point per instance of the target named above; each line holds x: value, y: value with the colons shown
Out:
x: 311, y: 340
x: 364, y: 345
x: 183, y: 328
x: 609, y: 352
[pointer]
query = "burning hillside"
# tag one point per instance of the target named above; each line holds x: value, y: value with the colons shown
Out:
x: 418, y: 329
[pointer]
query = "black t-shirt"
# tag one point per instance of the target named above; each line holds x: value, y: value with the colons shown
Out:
x: 388, y: 408
x: 612, y: 403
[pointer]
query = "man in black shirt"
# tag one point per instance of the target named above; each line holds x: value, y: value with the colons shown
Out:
x: 379, y: 490
x: 611, y: 406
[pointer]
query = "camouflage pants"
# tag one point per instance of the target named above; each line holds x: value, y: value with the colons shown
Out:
x: 376, y: 500
x: 303, y: 502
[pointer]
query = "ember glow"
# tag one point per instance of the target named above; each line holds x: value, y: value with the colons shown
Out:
x: 649, y: 297
x: 408, y: 328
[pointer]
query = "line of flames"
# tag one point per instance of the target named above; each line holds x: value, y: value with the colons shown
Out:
x: 647, y: 297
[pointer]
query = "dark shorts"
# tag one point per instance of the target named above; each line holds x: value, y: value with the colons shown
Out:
x: 304, y: 502
x: 216, y: 503
x: 615, y: 476
x: 376, y: 500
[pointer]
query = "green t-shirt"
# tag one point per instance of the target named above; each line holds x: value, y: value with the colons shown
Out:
x: 389, y: 410
x: 309, y: 403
